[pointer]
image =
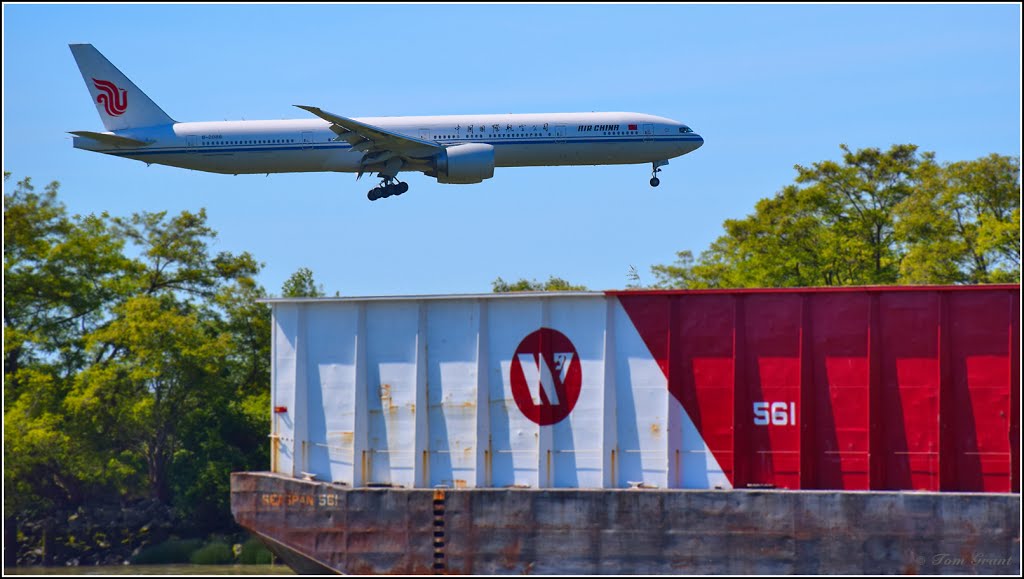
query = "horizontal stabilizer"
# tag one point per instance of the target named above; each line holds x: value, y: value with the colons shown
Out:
x: 108, y: 139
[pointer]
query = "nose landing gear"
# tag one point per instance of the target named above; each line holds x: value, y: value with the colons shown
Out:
x: 388, y: 187
x: 654, y: 172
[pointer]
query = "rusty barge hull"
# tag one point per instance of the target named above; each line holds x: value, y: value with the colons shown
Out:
x: 320, y: 527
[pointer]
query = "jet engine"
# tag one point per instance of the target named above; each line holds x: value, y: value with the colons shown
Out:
x: 464, y: 164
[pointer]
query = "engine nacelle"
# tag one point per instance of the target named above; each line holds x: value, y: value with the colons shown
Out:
x: 464, y: 164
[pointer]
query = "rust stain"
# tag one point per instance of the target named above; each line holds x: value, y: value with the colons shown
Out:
x: 348, y: 437
x: 487, y: 466
x: 656, y: 429
x: 385, y: 398
x: 615, y: 479
x: 510, y: 555
x: 366, y: 467
x: 412, y: 408
x: 426, y: 468
x: 460, y: 483
x: 549, y: 469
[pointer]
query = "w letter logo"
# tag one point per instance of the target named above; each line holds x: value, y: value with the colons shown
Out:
x: 546, y: 376
x: 113, y: 99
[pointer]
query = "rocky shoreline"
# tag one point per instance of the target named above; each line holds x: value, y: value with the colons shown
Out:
x: 109, y: 534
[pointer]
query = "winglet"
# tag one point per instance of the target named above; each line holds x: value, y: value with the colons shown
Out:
x: 322, y: 113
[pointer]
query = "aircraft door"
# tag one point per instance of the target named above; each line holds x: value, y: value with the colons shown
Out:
x: 559, y: 133
x: 648, y: 132
x: 307, y: 140
x: 191, y: 142
x: 425, y: 134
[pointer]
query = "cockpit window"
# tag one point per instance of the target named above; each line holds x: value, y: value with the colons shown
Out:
x: 685, y: 129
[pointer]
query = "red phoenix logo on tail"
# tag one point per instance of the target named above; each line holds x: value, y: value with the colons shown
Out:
x: 113, y: 99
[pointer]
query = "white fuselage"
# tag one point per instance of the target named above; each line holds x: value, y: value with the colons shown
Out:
x: 305, y: 145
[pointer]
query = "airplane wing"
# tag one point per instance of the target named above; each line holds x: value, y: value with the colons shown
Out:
x: 378, y: 143
x: 108, y: 139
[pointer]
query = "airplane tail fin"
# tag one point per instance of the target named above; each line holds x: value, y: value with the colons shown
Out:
x: 120, y: 103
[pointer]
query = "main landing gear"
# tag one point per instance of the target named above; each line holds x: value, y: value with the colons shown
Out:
x: 388, y: 187
x: 654, y: 172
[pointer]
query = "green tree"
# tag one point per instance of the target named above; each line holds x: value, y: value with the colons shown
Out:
x: 60, y: 272
x: 783, y: 243
x: 874, y: 218
x: 856, y: 200
x: 229, y: 435
x: 60, y: 275
x: 523, y: 285
x: 963, y: 225
x: 154, y: 400
x: 168, y: 367
x: 174, y: 256
x: 302, y: 285
x: 127, y: 375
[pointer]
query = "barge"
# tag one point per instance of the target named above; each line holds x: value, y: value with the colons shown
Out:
x: 815, y: 430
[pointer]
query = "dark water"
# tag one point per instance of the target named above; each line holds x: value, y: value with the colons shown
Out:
x: 154, y: 570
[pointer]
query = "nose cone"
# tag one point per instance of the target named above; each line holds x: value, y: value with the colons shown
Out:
x: 692, y: 143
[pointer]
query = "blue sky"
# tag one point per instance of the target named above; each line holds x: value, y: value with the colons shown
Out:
x: 767, y: 86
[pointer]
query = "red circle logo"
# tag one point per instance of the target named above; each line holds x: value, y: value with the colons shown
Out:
x: 546, y: 376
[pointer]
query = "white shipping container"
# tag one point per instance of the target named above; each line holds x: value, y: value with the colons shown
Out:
x: 549, y: 390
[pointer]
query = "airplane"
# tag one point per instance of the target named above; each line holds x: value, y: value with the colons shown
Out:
x: 460, y: 149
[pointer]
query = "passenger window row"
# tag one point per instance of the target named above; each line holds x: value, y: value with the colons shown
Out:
x: 249, y: 142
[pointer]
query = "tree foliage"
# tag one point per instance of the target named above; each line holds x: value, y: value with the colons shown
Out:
x: 875, y: 218
x: 135, y: 361
x: 302, y: 285
x: 59, y: 273
x: 553, y: 284
x: 963, y: 226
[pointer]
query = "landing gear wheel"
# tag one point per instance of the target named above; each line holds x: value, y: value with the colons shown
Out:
x: 654, y: 172
x: 387, y: 188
